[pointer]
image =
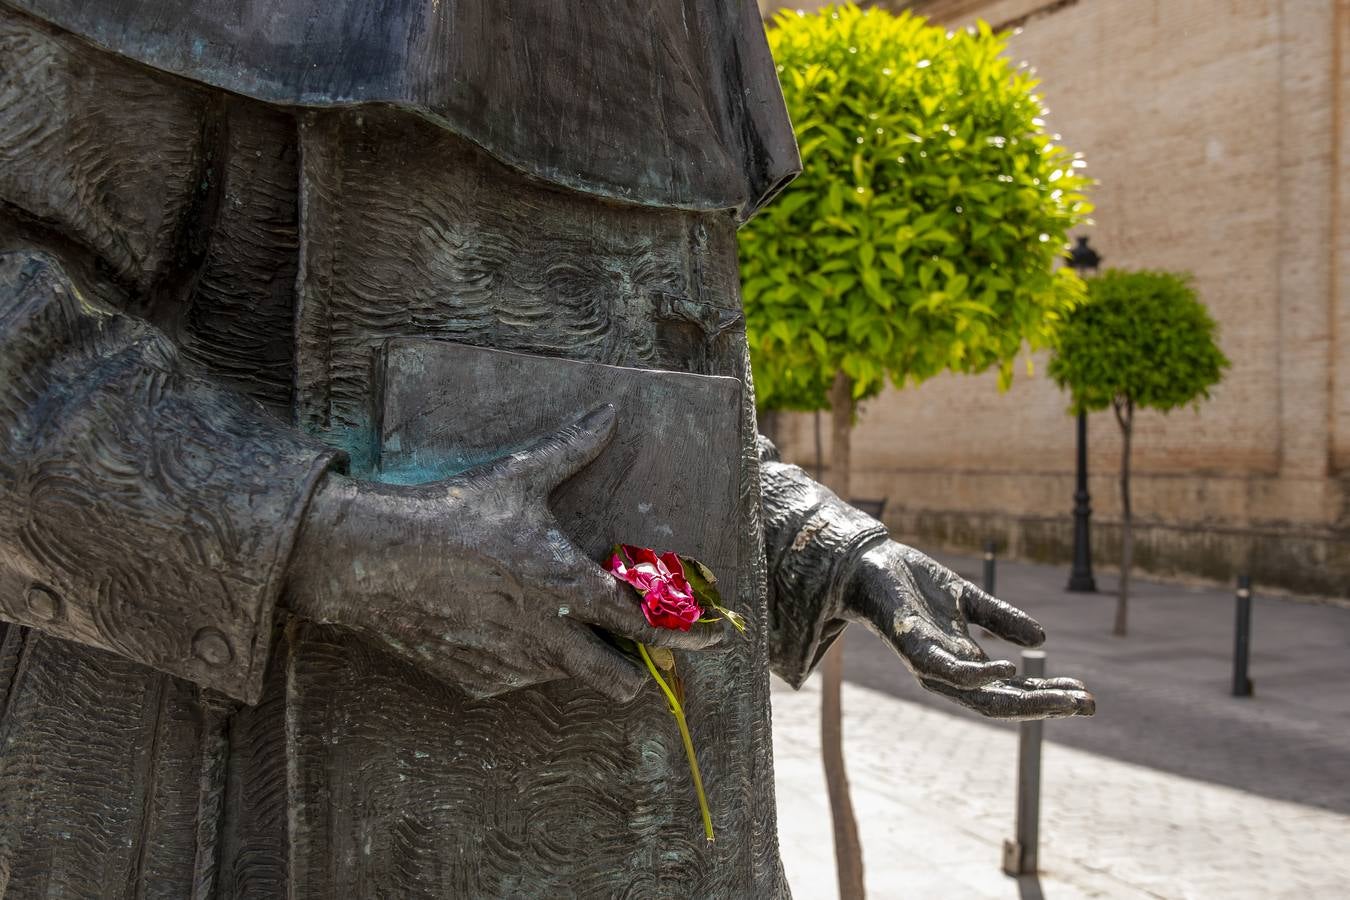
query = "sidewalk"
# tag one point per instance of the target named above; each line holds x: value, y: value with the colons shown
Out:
x: 1175, y: 789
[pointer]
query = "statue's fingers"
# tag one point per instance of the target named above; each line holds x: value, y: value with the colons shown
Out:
x: 549, y: 461
x: 599, y: 666
x: 933, y: 662
x: 614, y: 607
x: 483, y: 674
x: 1052, y: 703
x: 1063, y: 684
x: 1005, y: 701
x: 1003, y: 619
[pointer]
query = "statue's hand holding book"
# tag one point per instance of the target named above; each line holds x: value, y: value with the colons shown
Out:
x: 471, y: 578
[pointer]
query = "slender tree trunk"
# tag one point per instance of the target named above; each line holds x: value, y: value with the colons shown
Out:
x: 1125, y: 417
x: 820, y: 448
x: 841, y: 430
x: 847, y: 846
x: 768, y: 424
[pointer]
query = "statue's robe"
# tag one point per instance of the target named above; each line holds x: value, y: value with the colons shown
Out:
x: 193, y: 287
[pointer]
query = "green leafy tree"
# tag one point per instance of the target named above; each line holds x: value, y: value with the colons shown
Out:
x: 921, y: 234
x: 921, y: 237
x: 1142, y: 341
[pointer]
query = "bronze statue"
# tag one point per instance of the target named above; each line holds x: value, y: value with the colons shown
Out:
x: 241, y: 662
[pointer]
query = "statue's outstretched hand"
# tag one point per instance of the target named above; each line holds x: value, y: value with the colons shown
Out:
x: 471, y: 578
x: 924, y: 610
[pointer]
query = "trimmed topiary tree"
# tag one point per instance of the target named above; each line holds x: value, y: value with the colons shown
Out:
x: 1142, y: 341
x: 922, y: 233
x: 921, y: 237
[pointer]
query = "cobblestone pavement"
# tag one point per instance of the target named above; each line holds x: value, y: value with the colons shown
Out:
x: 1175, y: 789
x: 934, y: 794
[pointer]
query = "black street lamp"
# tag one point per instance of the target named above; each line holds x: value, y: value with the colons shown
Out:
x: 1083, y: 260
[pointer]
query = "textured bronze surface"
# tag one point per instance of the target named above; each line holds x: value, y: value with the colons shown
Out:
x: 582, y: 787
x: 256, y: 642
x: 667, y: 104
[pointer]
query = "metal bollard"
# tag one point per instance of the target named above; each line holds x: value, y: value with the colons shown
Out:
x: 989, y: 548
x: 1242, y: 636
x: 1021, y: 854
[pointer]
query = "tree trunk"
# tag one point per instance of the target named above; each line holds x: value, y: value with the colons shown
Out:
x: 847, y: 847
x: 1125, y: 417
x: 841, y: 430
x: 768, y: 422
x: 820, y: 450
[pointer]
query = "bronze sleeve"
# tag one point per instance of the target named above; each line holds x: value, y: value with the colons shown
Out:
x: 143, y: 510
x: 811, y: 539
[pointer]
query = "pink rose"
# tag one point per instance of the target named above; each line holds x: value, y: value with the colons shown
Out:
x: 667, y: 599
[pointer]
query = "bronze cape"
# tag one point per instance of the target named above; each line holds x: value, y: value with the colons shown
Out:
x: 672, y: 104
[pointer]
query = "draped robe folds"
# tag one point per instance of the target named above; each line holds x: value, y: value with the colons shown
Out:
x: 180, y: 271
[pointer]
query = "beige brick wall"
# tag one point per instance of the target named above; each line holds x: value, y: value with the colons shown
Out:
x: 1217, y: 130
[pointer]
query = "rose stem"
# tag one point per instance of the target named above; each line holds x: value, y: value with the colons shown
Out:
x: 678, y: 712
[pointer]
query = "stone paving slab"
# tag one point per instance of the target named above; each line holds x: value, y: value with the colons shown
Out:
x: 1163, y: 692
x: 934, y: 795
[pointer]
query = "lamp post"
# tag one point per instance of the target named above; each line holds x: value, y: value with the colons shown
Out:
x: 1083, y: 260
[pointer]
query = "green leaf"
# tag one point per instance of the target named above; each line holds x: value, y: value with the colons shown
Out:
x: 871, y: 280
x: 736, y: 619
x: 810, y: 146
x: 662, y: 657
x: 859, y: 176
x: 704, y: 585
x: 791, y: 201
x: 701, y: 581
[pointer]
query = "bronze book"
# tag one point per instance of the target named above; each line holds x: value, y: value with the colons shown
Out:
x: 668, y: 480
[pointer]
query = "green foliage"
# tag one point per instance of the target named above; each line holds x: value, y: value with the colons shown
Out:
x: 1142, y: 336
x: 922, y: 233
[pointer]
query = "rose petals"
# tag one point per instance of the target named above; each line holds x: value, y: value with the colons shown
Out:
x: 667, y: 599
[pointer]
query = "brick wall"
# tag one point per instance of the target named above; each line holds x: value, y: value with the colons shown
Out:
x: 1218, y: 131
